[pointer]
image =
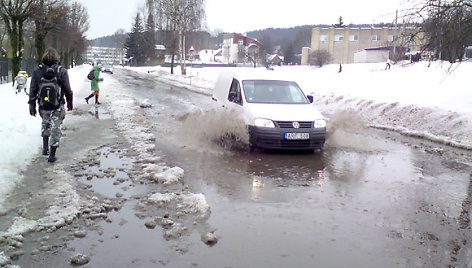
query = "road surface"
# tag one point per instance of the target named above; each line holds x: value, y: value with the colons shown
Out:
x: 164, y: 186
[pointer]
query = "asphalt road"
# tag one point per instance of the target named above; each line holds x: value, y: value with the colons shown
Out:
x: 369, y: 199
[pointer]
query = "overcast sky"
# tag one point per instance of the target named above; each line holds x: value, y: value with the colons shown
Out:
x: 246, y: 15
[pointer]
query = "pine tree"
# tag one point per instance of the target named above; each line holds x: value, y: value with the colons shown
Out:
x: 289, y: 56
x: 135, y: 43
x: 150, y: 38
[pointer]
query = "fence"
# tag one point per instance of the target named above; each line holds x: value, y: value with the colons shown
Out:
x: 27, y: 65
x: 5, y: 70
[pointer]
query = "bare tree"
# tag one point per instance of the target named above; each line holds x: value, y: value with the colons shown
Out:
x: 120, y: 36
x: 3, y: 32
x: 45, y: 17
x: 447, y: 26
x: 319, y: 57
x: 14, y: 13
x: 78, y: 25
x: 68, y: 36
x: 179, y: 17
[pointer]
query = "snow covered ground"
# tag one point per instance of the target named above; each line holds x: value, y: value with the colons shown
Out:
x: 431, y: 102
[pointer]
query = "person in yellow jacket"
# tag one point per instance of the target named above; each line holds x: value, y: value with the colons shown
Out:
x: 94, y: 85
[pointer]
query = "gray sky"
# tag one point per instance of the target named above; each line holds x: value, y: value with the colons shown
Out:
x: 247, y: 15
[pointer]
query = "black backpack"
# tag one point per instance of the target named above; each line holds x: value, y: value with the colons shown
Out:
x: 91, y: 75
x: 49, y: 90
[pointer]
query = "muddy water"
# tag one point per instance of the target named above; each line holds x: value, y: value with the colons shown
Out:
x: 369, y: 199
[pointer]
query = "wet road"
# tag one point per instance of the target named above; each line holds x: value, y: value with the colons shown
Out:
x: 369, y: 199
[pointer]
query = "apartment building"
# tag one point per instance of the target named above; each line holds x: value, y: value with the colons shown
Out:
x: 105, y: 55
x: 343, y: 43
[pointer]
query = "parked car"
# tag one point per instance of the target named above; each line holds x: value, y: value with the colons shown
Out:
x: 107, y: 68
x: 277, y: 112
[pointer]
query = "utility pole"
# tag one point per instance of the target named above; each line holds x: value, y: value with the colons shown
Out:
x: 395, y: 36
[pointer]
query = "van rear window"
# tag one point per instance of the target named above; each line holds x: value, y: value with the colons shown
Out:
x: 273, y: 91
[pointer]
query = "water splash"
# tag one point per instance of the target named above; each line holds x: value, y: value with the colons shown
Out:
x: 346, y: 128
x: 202, y: 130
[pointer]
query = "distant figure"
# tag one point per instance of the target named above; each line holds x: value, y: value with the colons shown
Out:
x: 94, y: 84
x: 20, y: 83
x: 340, y: 68
x: 415, y: 58
x: 388, y: 65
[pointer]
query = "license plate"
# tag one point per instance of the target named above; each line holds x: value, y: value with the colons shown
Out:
x: 297, y: 136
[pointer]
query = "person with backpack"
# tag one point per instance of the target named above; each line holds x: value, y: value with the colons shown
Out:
x: 94, y: 84
x: 49, y: 85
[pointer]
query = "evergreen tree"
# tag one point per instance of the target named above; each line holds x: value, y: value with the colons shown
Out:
x: 340, y: 22
x: 135, y: 43
x: 150, y: 38
x: 289, y: 55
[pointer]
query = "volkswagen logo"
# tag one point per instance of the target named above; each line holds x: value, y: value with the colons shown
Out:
x: 296, y: 125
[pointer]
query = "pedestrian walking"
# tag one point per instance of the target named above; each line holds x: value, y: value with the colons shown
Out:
x: 387, y: 67
x: 94, y: 85
x: 49, y: 85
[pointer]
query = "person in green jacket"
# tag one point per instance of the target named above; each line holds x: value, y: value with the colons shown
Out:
x: 94, y: 84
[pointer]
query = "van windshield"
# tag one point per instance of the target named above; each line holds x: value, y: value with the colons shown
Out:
x: 273, y: 91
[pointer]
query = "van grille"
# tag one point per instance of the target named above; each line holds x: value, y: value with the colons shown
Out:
x: 289, y: 124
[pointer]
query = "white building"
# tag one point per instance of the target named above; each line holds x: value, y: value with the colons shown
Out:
x: 105, y: 55
x: 237, y: 48
x: 210, y: 56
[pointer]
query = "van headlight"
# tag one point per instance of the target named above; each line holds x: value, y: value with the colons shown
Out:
x: 320, y: 123
x: 262, y: 122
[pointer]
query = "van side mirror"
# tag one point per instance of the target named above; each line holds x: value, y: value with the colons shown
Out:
x: 310, y: 98
x: 233, y: 97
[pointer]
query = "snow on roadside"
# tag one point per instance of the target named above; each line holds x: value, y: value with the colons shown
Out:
x: 63, y: 208
x: 61, y: 196
x: 19, y: 138
x: 20, y: 133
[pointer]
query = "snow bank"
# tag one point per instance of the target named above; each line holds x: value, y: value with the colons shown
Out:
x: 20, y: 142
x: 19, y: 138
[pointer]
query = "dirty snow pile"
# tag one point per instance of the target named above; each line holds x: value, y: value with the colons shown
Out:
x: 426, y: 100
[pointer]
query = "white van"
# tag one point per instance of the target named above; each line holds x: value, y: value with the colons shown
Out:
x: 277, y: 112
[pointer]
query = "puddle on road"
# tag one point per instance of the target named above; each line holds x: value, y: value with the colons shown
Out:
x: 107, y: 173
x: 99, y: 113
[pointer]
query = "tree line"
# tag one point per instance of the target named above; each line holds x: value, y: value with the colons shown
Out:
x: 448, y: 27
x: 174, y: 20
x: 27, y: 27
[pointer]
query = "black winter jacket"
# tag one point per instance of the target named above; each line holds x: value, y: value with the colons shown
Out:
x: 62, y: 78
